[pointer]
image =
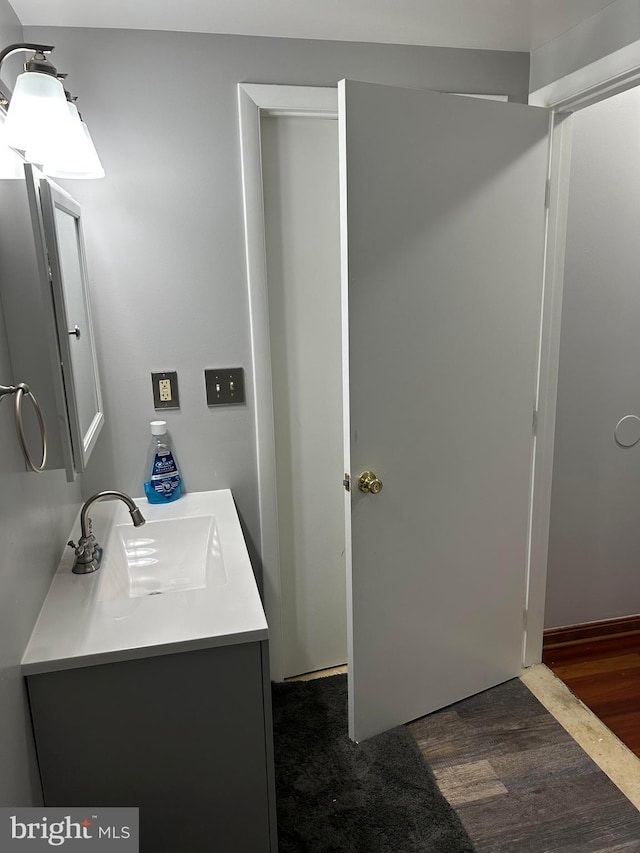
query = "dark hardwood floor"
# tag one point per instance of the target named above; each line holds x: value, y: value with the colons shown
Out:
x: 600, y: 663
x: 519, y: 782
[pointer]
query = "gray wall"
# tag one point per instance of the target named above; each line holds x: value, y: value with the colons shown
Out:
x: 594, y: 549
x: 165, y: 230
x: 36, y: 514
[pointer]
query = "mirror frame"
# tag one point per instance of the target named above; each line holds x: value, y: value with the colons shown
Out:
x: 45, y: 197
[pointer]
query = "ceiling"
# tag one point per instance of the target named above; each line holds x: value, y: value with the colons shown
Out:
x: 486, y: 24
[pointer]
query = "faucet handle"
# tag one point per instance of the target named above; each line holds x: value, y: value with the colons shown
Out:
x: 77, y: 549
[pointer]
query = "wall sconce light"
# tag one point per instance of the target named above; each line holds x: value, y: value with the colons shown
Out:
x: 42, y: 121
x: 74, y: 155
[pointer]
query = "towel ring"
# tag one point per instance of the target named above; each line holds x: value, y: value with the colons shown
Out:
x: 22, y: 390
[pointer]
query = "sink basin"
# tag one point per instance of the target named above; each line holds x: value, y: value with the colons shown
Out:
x: 192, y: 548
x: 168, y: 555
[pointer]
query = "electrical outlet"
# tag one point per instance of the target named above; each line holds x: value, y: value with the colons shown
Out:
x: 165, y: 390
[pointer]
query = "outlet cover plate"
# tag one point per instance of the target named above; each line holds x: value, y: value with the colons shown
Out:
x: 225, y: 386
x: 160, y: 392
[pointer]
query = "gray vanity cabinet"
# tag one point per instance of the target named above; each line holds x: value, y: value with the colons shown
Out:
x: 186, y: 737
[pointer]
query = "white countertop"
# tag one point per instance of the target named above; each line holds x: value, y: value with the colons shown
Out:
x: 89, y: 619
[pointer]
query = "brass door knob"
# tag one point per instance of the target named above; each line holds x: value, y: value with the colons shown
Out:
x: 368, y: 482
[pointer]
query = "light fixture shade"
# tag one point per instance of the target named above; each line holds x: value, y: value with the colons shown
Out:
x: 94, y: 166
x: 37, y: 111
x: 74, y: 157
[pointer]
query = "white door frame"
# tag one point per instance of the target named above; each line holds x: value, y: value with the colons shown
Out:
x: 603, y: 78
x: 597, y: 82
x: 256, y: 99
x: 547, y: 385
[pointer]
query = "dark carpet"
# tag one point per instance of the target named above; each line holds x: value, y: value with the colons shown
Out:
x: 334, y: 796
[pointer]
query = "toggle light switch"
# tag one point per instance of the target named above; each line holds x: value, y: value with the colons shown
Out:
x: 224, y: 386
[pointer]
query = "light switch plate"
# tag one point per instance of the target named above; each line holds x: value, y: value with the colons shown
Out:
x: 225, y: 386
x: 165, y: 390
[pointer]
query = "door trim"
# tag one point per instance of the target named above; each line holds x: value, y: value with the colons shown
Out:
x: 611, y: 74
x: 255, y: 100
x: 560, y: 126
x: 603, y: 79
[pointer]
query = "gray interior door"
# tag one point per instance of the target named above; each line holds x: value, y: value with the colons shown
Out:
x: 443, y: 232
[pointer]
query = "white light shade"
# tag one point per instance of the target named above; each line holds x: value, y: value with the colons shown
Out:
x: 80, y: 158
x: 74, y: 157
x: 95, y: 168
x: 38, y: 109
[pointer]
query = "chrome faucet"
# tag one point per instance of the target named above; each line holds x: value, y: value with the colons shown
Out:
x: 88, y: 552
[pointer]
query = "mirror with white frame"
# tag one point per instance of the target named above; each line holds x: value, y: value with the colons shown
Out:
x: 44, y: 291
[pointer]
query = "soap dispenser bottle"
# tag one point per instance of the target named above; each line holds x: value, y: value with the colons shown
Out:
x: 165, y: 482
